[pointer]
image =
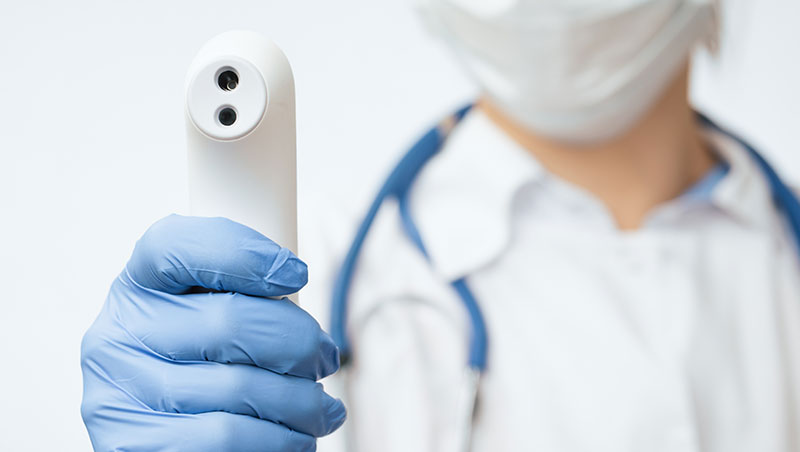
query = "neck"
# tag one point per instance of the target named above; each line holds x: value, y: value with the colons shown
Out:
x: 655, y: 161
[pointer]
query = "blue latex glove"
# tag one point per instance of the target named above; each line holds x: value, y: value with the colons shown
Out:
x: 187, y: 354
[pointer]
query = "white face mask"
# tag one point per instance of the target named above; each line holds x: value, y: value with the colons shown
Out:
x: 573, y: 70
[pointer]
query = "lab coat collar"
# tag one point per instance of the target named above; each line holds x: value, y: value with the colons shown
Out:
x: 744, y: 193
x: 463, y: 199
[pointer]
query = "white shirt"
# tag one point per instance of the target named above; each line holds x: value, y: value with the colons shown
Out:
x: 683, y: 335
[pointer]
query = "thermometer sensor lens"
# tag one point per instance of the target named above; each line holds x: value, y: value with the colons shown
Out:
x: 228, y: 80
x: 227, y: 116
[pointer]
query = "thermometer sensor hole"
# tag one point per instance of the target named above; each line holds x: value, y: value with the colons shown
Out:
x: 226, y: 116
x: 227, y: 79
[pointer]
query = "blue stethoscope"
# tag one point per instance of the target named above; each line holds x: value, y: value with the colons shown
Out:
x: 398, y: 185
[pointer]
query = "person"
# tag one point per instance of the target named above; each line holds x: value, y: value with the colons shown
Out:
x: 638, y: 283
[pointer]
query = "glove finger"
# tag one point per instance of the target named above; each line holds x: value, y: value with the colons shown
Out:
x: 119, y: 413
x: 139, y: 430
x: 276, y: 335
x: 179, y: 253
x: 192, y: 388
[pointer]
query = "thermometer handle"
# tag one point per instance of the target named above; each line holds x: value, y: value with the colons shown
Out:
x: 241, y: 139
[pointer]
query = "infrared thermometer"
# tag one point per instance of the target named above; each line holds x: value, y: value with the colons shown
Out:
x: 240, y: 135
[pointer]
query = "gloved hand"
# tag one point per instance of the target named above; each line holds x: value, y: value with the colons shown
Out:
x: 187, y: 354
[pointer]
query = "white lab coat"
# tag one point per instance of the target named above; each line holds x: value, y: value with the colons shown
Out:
x: 681, y: 336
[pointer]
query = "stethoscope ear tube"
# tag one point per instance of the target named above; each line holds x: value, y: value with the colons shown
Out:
x: 396, y: 186
x: 397, y: 183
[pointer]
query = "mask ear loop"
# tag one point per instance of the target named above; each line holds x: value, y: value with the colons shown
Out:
x: 713, y: 39
x: 430, y: 23
x: 431, y: 18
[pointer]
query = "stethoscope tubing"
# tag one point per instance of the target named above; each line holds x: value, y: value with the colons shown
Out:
x: 398, y: 186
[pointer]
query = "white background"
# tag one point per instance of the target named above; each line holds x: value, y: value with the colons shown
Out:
x: 91, y: 147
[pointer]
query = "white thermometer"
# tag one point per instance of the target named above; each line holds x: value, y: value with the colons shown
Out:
x: 240, y: 130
